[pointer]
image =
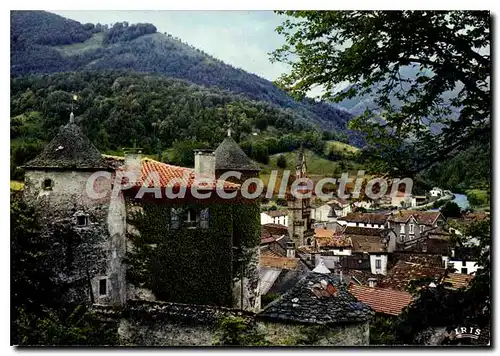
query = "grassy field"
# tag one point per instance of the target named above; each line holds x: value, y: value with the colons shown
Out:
x: 92, y: 43
x: 478, y: 198
x: 340, y: 147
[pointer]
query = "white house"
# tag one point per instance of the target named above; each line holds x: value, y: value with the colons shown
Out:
x: 274, y: 217
x: 371, y: 220
x: 378, y: 263
x: 436, y: 192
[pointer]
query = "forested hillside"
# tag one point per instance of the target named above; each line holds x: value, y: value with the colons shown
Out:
x: 42, y: 42
x: 117, y: 109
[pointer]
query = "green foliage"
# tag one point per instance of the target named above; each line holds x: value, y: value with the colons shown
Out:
x: 382, y: 330
x: 182, y: 153
x: 450, y: 210
x: 153, y: 109
x: 478, y: 197
x: 238, y: 331
x: 192, y: 265
x: 281, y: 163
x: 375, y: 50
x: 135, y: 48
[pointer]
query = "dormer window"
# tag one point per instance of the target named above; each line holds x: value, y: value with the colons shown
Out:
x: 47, y: 184
x: 82, y: 220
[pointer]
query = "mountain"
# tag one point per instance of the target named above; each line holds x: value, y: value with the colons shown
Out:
x: 42, y: 42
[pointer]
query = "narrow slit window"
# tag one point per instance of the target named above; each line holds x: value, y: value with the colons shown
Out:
x: 103, y: 286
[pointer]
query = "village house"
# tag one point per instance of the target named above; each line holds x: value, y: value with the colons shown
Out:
x: 409, y: 225
x: 370, y: 220
x: 274, y: 217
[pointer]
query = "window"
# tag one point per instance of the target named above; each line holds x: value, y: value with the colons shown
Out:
x: 412, y: 228
x: 378, y: 264
x: 189, y: 218
x: 463, y: 271
x: 422, y: 227
x: 103, y: 286
x: 402, y: 229
x: 402, y: 238
x: 82, y: 220
x: 341, y: 249
x: 47, y: 184
x: 357, y: 224
x: 464, y: 263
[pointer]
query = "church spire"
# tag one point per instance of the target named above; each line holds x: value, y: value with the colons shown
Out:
x: 229, y: 132
x: 71, y: 118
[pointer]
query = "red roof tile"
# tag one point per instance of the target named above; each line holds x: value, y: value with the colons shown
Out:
x: 172, y: 176
x: 381, y: 300
x: 400, y: 275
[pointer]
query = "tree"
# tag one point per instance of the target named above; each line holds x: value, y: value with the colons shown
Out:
x: 450, y: 210
x: 281, y: 163
x: 448, y: 51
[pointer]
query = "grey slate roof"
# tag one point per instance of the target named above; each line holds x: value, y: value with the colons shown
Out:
x: 317, y: 299
x: 69, y: 149
x: 229, y: 156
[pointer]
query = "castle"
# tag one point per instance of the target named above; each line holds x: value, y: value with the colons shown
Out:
x: 91, y: 235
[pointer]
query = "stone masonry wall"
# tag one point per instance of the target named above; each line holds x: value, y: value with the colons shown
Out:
x: 82, y: 255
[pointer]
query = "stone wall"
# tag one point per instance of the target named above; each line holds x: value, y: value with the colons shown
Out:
x: 85, y: 256
x: 281, y: 334
x: 143, y: 323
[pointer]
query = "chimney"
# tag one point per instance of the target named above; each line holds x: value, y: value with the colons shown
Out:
x: 132, y: 162
x: 290, y: 249
x: 204, y: 163
x: 315, y: 257
x: 372, y: 282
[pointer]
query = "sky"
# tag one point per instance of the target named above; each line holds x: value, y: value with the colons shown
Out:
x: 240, y: 38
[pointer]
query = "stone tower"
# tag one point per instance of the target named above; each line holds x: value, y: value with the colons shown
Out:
x: 86, y: 234
x: 299, y: 209
x: 230, y: 157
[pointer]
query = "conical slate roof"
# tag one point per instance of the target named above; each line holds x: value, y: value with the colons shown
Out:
x: 69, y: 149
x: 229, y: 156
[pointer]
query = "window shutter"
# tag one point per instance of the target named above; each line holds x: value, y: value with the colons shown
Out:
x: 174, y: 218
x: 204, y: 218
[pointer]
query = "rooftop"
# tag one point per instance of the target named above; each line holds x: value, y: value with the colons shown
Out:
x: 381, y: 300
x: 368, y: 244
x: 422, y: 217
x: 69, y: 149
x: 172, y: 176
x: 400, y: 275
x: 230, y: 156
x: 317, y: 299
x: 366, y: 218
x: 278, y: 262
x: 458, y: 280
x: 276, y: 213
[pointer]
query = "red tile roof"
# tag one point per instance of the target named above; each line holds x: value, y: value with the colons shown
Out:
x: 400, y: 275
x: 381, y: 300
x: 272, y: 232
x: 171, y: 176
